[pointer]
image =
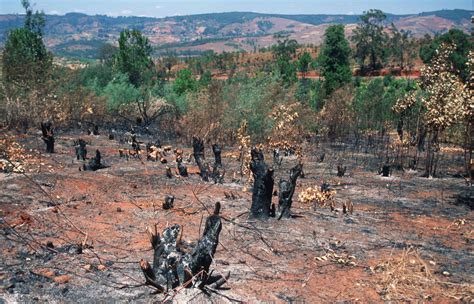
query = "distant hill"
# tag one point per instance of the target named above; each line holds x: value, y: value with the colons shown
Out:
x: 79, y: 35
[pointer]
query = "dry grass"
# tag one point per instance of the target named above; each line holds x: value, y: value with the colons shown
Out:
x: 410, y: 278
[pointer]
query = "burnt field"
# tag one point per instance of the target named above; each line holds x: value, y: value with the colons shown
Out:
x: 69, y: 235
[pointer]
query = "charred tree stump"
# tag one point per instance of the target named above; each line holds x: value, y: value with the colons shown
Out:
x: 321, y: 157
x: 341, y: 170
x: 173, y: 267
x: 168, y: 172
x: 218, y: 171
x: 94, y: 130
x: 81, y: 151
x: 217, y: 150
x: 169, y: 202
x: 48, y: 136
x: 198, y: 152
x: 277, y: 158
x: 287, y: 189
x: 94, y: 163
x: 386, y: 170
x: 263, y: 186
x: 182, y: 170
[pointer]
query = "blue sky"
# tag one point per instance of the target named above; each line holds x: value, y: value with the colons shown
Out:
x: 157, y: 8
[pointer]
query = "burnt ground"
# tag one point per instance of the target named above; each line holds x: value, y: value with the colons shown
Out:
x: 406, y: 241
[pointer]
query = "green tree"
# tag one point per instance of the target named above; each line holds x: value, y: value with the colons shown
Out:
x: 133, y: 57
x: 370, y: 39
x: 120, y: 92
x: 283, y: 52
x: 184, y: 82
x: 402, y: 48
x: 334, y: 59
x: 25, y: 59
x: 304, y: 63
x: 107, y: 52
x: 458, y: 58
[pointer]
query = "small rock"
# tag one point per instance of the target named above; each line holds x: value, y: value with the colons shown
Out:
x: 119, y: 209
x: 62, y: 279
x: 50, y: 244
x: 101, y: 267
x: 13, y: 187
x: 445, y: 273
x: 88, y: 267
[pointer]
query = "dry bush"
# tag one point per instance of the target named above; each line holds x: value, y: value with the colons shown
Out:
x: 12, y: 155
x: 286, y: 133
x: 314, y: 195
x: 336, y: 116
x: 205, y: 115
x: 409, y: 278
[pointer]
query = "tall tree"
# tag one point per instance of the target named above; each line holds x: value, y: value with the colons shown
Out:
x: 458, y: 58
x: 304, y: 63
x: 283, y: 52
x: 334, y: 59
x: 133, y: 57
x: 26, y: 60
x: 402, y: 47
x: 443, y: 100
x: 370, y: 39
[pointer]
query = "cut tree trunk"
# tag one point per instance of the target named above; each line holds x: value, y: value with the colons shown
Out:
x: 48, y: 136
x: 262, y: 188
x: 198, y: 152
x: 287, y: 189
x: 171, y: 266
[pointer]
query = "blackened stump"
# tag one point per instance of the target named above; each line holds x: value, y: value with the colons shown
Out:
x: 198, y: 152
x: 48, y: 136
x: 287, y: 189
x: 80, y: 147
x: 173, y: 267
x: 262, y: 187
x: 94, y: 163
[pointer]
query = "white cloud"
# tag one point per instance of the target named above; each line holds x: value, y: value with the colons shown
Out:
x: 54, y: 12
x: 158, y: 7
x: 126, y: 12
x: 78, y: 10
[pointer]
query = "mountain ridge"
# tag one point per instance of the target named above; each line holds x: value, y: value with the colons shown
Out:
x: 80, y: 35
